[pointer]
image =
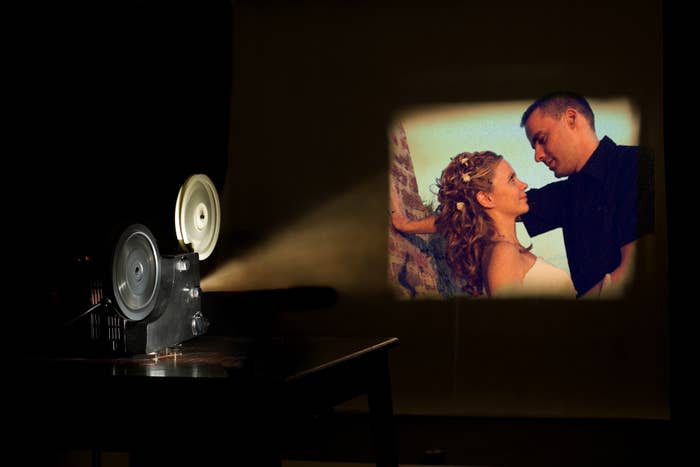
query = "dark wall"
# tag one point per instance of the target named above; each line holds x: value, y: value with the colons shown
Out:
x: 123, y: 103
x: 287, y: 107
x: 314, y: 90
x: 119, y: 104
x: 315, y: 86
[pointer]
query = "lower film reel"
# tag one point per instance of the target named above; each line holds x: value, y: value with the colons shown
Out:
x: 198, y: 215
x: 136, y: 272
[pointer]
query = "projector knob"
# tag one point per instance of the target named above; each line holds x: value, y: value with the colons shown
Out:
x: 199, y: 324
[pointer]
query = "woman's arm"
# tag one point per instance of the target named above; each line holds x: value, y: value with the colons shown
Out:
x: 406, y: 225
x: 421, y: 226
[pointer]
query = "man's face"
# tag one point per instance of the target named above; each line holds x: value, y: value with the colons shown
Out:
x: 554, y: 142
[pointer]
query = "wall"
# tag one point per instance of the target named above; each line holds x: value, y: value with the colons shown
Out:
x: 417, y: 267
x: 315, y: 88
x: 144, y: 96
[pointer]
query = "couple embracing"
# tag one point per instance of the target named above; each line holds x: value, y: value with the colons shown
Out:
x: 604, y: 206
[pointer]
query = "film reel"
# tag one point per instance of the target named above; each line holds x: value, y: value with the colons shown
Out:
x: 136, y: 272
x: 198, y: 215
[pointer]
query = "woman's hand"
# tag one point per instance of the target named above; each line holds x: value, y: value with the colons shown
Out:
x: 398, y: 217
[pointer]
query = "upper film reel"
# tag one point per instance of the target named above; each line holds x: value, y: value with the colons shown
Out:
x: 136, y: 272
x: 198, y: 215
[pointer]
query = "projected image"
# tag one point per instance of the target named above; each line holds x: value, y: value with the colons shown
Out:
x: 484, y: 207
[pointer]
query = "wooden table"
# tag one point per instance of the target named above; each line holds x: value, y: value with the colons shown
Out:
x: 216, y: 400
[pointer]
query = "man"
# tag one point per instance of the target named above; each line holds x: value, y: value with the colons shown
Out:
x: 604, y: 205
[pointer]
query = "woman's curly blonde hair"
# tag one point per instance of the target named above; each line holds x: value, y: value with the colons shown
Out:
x: 463, y: 222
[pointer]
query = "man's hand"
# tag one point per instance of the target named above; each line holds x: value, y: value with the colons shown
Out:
x: 614, y: 283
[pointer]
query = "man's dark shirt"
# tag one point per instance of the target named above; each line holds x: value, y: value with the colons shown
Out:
x: 604, y: 206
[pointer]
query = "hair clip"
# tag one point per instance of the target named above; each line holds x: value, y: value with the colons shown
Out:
x: 460, y: 206
x: 466, y: 177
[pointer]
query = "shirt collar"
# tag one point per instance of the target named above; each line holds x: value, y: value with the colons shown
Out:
x: 596, y: 166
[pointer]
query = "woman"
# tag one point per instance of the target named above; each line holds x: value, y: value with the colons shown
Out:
x: 479, y: 199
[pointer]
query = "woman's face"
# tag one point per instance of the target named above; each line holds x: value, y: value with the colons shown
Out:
x: 508, y: 191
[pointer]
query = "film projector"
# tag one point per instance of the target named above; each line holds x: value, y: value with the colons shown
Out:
x: 152, y: 301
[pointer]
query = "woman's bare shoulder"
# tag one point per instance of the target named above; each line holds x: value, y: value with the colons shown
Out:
x: 503, y: 252
x: 505, y: 267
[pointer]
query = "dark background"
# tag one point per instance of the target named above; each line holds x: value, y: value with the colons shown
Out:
x: 286, y: 107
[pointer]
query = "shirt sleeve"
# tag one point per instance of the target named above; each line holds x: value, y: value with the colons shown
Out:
x: 637, y: 198
x: 546, y: 208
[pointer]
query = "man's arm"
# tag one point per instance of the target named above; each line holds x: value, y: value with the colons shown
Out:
x: 406, y: 225
x: 623, y: 273
x: 546, y: 208
x: 636, y: 200
x: 614, y: 283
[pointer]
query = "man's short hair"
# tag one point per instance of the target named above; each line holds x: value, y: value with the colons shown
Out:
x: 554, y: 104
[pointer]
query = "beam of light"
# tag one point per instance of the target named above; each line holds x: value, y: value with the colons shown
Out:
x: 341, y: 244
